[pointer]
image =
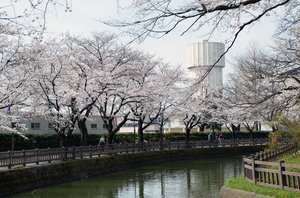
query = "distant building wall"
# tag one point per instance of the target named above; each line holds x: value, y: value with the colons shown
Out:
x: 34, y: 124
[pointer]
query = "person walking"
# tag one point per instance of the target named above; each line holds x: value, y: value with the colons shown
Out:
x: 102, y: 140
x: 210, y: 136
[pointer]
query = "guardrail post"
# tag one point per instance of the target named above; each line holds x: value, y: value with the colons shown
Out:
x: 139, y: 147
x: 9, y: 160
x: 253, y: 171
x: 37, y: 156
x: 282, y: 177
x: 81, y: 152
x: 63, y: 153
x: 98, y: 149
x: 49, y: 155
x: 90, y: 151
x: 245, y: 170
x: 74, y: 152
x: 24, y: 157
x: 133, y: 147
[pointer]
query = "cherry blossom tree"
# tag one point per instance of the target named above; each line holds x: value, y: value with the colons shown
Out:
x: 13, y: 89
x: 28, y: 17
x: 249, y: 86
x: 123, y: 72
x: 161, y: 91
x: 158, y: 18
x: 51, y: 85
x: 92, y: 59
x: 75, y: 75
x: 206, y: 108
x: 17, y: 20
x: 261, y: 87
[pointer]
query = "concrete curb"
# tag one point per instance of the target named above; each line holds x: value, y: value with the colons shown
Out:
x: 227, y: 192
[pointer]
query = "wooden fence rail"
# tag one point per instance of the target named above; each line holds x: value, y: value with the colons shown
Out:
x: 9, y: 158
x: 272, y: 174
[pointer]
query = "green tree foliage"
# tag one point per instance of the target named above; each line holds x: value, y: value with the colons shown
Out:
x: 286, y: 130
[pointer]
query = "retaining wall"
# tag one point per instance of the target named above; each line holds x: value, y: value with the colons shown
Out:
x: 29, y: 178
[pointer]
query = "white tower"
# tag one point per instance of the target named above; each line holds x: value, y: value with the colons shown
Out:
x: 202, y: 56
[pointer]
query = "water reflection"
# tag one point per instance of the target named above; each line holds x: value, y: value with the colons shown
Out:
x: 199, y: 178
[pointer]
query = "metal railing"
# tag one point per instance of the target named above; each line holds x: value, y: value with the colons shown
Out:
x: 272, y: 174
x: 23, y: 157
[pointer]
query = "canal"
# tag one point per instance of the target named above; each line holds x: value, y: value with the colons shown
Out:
x: 181, y: 179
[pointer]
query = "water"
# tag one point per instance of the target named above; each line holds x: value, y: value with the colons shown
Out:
x: 183, y: 179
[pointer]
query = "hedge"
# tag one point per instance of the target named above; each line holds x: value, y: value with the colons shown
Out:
x: 52, y: 140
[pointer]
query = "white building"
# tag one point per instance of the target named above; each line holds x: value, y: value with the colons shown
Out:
x: 206, y: 57
x: 35, y: 124
x: 132, y: 127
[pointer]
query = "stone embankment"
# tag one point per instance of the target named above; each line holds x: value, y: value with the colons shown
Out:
x: 23, y: 179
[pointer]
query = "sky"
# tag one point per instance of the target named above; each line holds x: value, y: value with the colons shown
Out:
x: 85, y: 15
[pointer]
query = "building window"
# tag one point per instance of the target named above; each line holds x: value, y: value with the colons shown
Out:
x: 93, y: 126
x: 130, y: 125
x: 104, y: 126
x: 50, y: 126
x: 35, y: 126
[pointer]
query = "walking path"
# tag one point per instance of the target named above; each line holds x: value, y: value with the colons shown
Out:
x: 42, y: 157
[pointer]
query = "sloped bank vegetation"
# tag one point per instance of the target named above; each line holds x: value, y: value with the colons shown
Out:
x: 241, y: 183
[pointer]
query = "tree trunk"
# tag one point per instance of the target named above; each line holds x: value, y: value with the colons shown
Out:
x: 202, y: 127
x: 109, y: 123
x: 140, y: 131
x: 233, y: 129
x: 188, y: 131
x: 110, y: 134
x: 83, y: 131
x: 251, y: 134
x: 63, y: 140
x: 110, y: 138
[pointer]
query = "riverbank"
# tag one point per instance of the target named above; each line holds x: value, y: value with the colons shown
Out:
x: 29, y: 178
x: 227, y: 192
x: 237, y: 185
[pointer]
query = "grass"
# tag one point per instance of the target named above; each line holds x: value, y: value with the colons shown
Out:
x: 292, y: 159
x: 242, y: 184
